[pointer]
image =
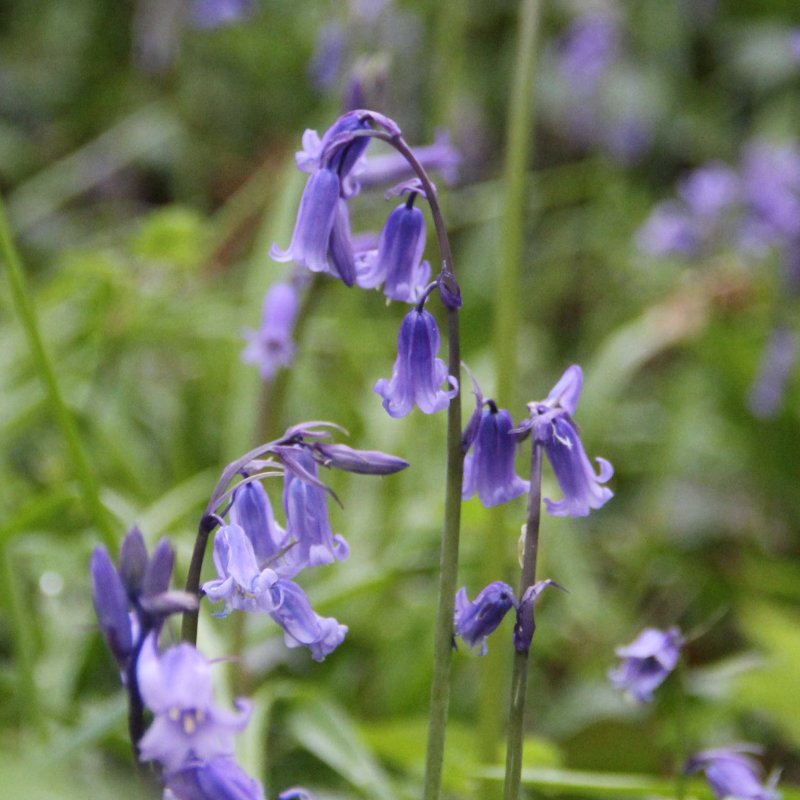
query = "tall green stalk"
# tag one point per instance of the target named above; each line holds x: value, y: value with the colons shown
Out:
x: 519, y: 126
x: 44, y: 366
x: 519, y: 677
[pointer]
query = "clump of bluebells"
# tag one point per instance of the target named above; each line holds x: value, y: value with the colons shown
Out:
x: 753, y: 210
x: 190, y: 737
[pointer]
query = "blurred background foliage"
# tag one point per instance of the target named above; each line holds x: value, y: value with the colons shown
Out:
x: 148, y: 164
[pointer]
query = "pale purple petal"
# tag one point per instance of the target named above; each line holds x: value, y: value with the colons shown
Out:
x: 474, y: 621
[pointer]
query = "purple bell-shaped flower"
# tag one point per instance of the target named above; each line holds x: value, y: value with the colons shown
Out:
x: 418, y: 374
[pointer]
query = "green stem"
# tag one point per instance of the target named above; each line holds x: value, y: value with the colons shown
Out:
x: 19, y: 620
x: 519, y: 677
x: 44, y: 366
x: 515, y: 202
x: 495, y: 562
x: 448, y: 559
x: 190, y: 618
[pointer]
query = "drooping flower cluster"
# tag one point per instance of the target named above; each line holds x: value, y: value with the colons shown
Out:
x: 322, y: 242
x: 754, y: 210
x: 647, y: 662
x: 734, y: 774
x: 256, y: 559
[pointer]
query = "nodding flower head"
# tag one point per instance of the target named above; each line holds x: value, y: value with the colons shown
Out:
x: 309, y: 534
x: 418, y: 374
x: 475, y: 620
x: 489, y: 467
x: 646, y: 662
x: 552, y: 426
x: 734, y: 774
x: 397, y: 263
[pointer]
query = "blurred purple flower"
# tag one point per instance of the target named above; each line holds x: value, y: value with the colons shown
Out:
x: 387, y: 168
x: 647, y: 662
x: 220, y: 778
x: 777, y: 363
x: 489, y: 468
x: 272, y: 347
x: 213, y: 13
x: 587, y: 49
x: 733, y: 774
x: 176, y: 687
x: 771, y: 190
x: 710, y: 190
x: 475, y: 620
x: 417, y: 373
x: 794, y: 44
x: 552, y: 426
x: 668, y: 230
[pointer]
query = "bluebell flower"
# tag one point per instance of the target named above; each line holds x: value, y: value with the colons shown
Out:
x: 669, y: 230
x: 111, y: 606
x: 302, y: 626
x: 214, y: 13
x: 187, y: 726
x: 647, y: 662
x: 474, y: 621
x: 134, y: 599
x: 219, y: 778
x: 363, y: 462
x: 489, y: 467
x: 525, y: 625
x: 588, y: 48
x: 397, y: 263
x: 552, y: 426
x: 251, y: 510
x: 242, y: 584
x: 777, y: 363
x: 315, y: 219
x: 272, y: 347
x: 771, y: 191
x: 733, y: 774
x: 710, y: 190
x: 321, y: 240
x: 308, y: 527
x: 418, y: 373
